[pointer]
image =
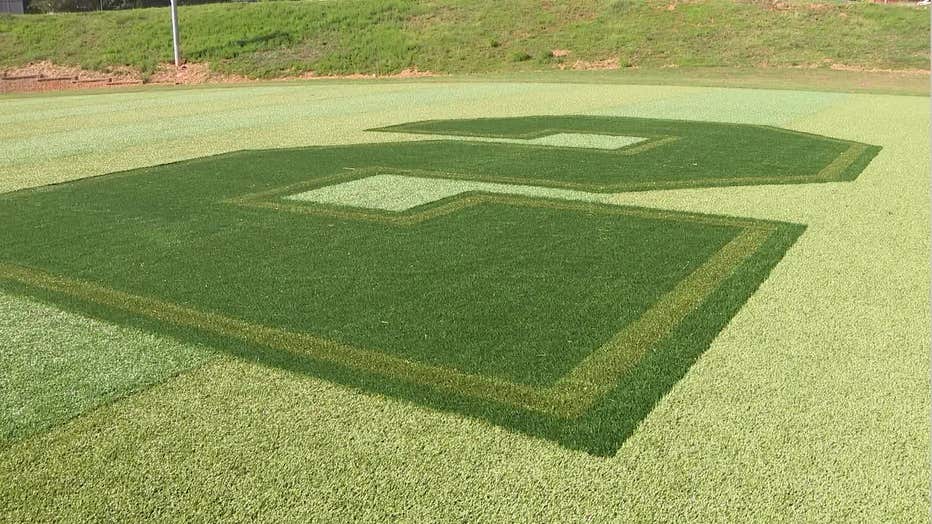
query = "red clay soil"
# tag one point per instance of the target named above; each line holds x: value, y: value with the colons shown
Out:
x: 46, y: 76
x: 594, y: 65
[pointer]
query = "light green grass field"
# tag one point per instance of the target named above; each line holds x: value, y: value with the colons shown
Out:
x: 811, y: 405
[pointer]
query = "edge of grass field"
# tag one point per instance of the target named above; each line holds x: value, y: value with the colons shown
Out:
x: 817, y: 80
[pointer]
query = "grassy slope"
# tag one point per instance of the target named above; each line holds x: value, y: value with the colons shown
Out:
x: 460, y: 36
x: 794, y: 414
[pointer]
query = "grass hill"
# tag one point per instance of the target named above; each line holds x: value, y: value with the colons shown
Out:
x: 272, y: 39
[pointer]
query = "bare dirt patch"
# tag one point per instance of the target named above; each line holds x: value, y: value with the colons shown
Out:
x: 193, y: 73
x: 46, y: 76
x: 594, y: 65
x: 859, y: 69
x: 411, y: 72
x: 45, y: 69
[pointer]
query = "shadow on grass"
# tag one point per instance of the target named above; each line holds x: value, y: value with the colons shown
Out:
x: 234, y: 48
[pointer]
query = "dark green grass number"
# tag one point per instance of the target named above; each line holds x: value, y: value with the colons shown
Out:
x: 561, y: 319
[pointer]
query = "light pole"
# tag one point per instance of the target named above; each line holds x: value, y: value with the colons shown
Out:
x: 175, y: 43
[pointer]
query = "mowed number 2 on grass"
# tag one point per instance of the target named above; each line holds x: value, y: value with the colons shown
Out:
x: 477, y: 271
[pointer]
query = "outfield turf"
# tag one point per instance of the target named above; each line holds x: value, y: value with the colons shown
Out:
x: 55, y: 365
x: 810, y: 405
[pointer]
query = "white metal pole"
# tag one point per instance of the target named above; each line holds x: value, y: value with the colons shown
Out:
x: 175, y: 43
